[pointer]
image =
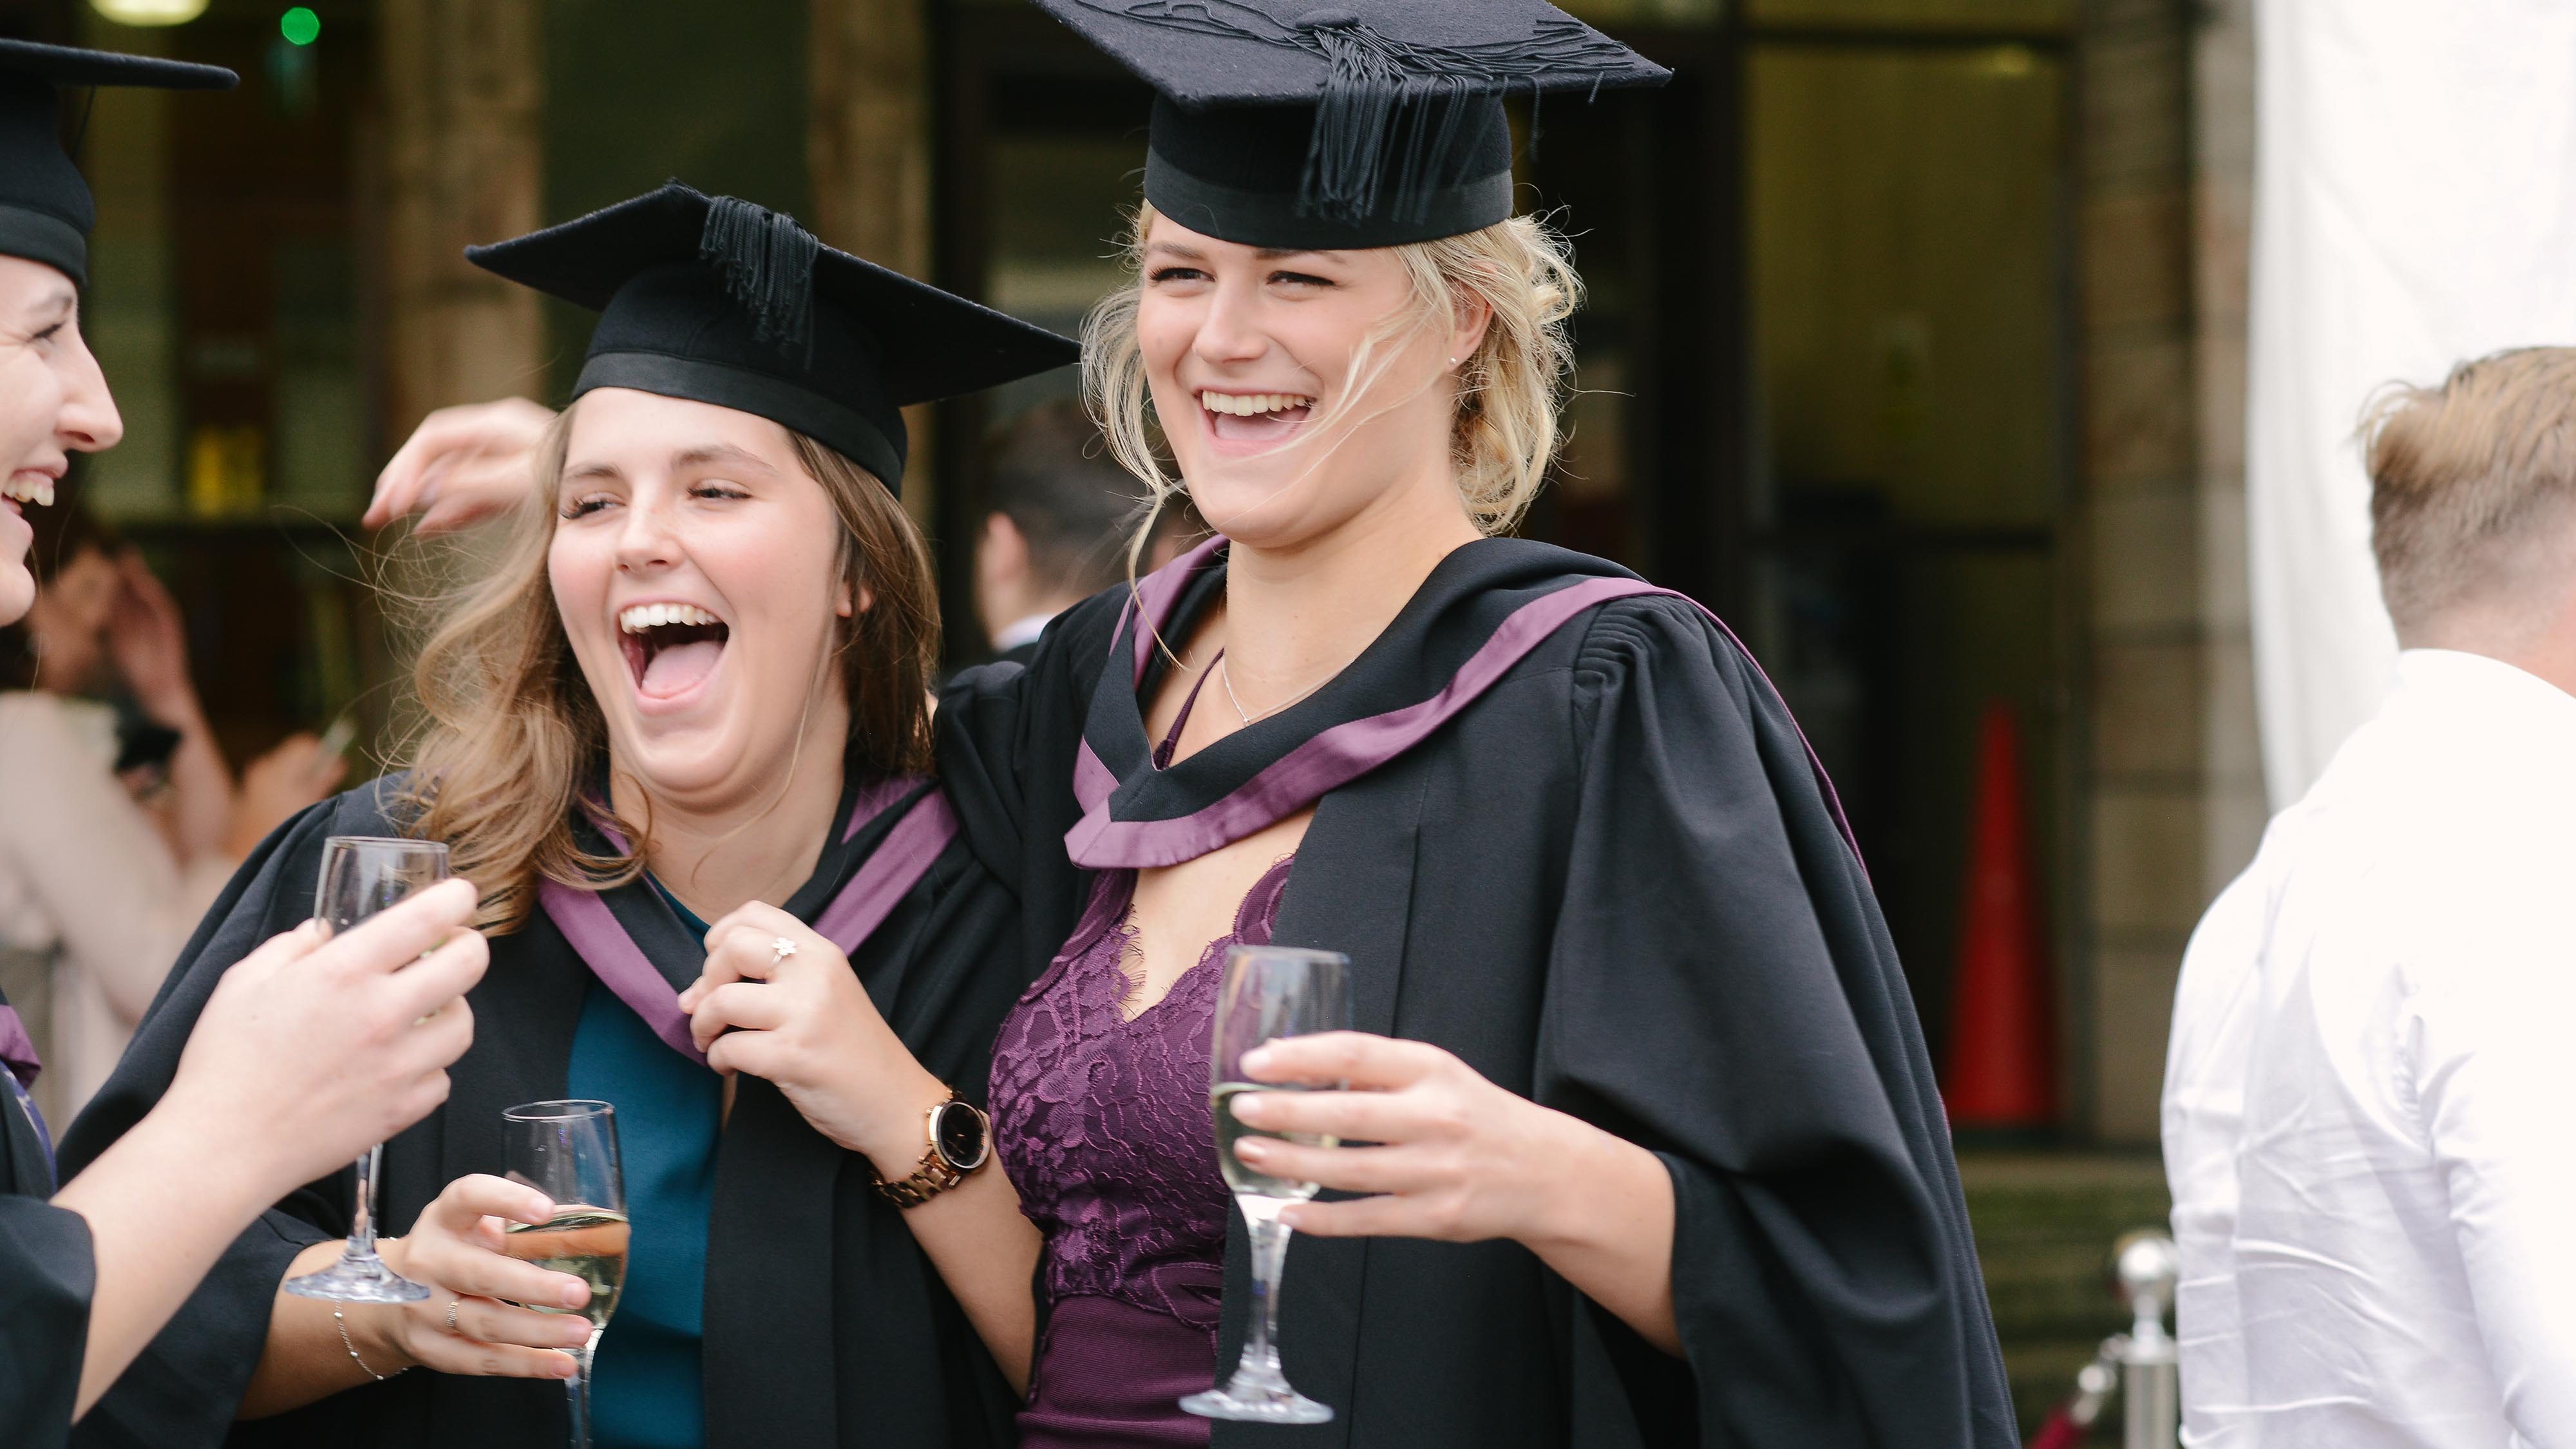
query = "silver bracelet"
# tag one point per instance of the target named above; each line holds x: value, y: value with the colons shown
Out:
x: 342, y: 1323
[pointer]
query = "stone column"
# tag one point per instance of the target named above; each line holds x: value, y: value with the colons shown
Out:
x: 2235, y: 807
x: 463, y: 160
x: 868, y: 147
x: 2175, y: 786
x: 2141, y: 508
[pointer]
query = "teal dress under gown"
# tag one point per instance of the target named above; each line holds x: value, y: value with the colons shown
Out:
x: 647, y: 1388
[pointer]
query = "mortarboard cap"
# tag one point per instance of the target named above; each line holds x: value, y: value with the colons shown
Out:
x: 45, y: 207
x: 1290, y: 123
x: 714, y: 299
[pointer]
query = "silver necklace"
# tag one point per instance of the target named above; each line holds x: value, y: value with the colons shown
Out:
x: 1225, y: 676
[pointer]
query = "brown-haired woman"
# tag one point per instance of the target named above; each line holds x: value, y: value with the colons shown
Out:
x: 691, y: 691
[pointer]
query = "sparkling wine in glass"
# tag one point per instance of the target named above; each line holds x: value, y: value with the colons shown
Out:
x: 1268, y: 992
x: 361, y: 875
x: 568, y: 1151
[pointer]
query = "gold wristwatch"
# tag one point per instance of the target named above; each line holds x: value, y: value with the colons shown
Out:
x: 961, y: 1139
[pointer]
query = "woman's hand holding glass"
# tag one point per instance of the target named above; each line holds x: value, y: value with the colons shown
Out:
x: 1458, y: 1159
x: 801, y: 1020
x: 313, y: 1047
x: 454, y: 1250
x: 1454, y: 1157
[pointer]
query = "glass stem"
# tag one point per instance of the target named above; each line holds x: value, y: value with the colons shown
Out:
x: 577, y: 1392
x: 1269, y: 1256
x: 362, y: 1218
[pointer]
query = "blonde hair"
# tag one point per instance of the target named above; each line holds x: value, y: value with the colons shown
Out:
x: 2466, y: 478
x: 511, y: 735
x: 1504, y: 435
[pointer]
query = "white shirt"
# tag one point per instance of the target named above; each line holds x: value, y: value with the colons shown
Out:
x: 83, y: 870
x: 2370, y: 1099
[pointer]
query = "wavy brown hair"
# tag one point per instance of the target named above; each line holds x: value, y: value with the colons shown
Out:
x: 512, y: 739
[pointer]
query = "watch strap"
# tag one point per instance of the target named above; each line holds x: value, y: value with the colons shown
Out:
x: 936, y: 1174
x: 933, y: 1177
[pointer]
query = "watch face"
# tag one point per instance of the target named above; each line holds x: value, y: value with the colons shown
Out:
x: 959, y: 1134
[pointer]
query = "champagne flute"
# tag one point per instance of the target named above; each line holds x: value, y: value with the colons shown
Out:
x: 361, y: 875
x: 568, y: 1151
x: 1268, y: 992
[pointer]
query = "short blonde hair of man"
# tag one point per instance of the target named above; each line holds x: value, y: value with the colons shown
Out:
x: 1505, y: 433
x: 2470, y: 480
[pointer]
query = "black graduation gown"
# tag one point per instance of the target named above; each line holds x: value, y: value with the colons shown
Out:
x: 1584, y: 847
x: 46, y: 1276
x: 825, y: 1325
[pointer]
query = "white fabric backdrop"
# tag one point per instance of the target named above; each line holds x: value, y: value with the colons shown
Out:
x: 2415, y: 205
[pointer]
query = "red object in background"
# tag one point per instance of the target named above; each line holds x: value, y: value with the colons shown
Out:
x: 2060, y: 1432
x: 2001, y: 1069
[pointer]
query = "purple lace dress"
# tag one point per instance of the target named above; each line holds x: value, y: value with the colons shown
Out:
x: 1102, y: 1123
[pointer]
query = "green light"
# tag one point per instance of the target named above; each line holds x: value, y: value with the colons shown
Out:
x: 300, y: 26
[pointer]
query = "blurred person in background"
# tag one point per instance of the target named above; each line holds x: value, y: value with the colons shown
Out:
x: 1057, y: 531
x: 121, y: 828
x: 2363, y: 1107
x: 308, y: 1051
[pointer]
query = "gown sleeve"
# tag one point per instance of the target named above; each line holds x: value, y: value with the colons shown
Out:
x: 186, y: 1386
x: 1007, y: 739
x: 1723, y: 991
x: 978, y: 731
x: 46, y: 1275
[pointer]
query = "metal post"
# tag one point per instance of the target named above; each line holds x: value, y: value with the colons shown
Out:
x: 2150, y: 1386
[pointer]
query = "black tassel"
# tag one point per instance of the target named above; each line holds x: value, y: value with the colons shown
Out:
x: 1390, y: 109
x: 767, y: 262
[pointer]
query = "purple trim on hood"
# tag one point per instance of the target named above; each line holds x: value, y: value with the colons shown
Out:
x: 1159, y: 593
x: 1351, y: 749
x: 874, y: 798
x: 27, y: 1104
x: 613, y: 957
x: 892, y: 869
x: 17, y: 1048
x: 1093, y: 782
x: 897, y: 864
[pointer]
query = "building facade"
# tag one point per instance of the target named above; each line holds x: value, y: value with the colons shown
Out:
x: 1915, y: 346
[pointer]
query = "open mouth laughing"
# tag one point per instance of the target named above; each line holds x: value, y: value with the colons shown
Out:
x: 1255, y: 417
x: 29, y: 487
x: 672, y: 649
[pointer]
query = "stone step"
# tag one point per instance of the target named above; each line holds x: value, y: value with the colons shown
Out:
x: 2044, y: 1223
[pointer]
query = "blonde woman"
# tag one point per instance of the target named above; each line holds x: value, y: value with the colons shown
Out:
x: 684, y: 715
x: 1651, y: 1150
